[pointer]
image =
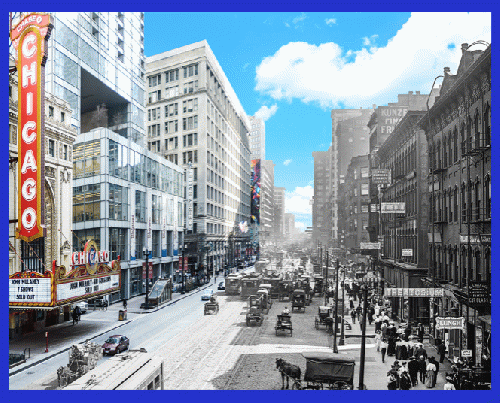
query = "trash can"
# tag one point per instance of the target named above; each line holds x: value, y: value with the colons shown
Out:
x: 122, y: 315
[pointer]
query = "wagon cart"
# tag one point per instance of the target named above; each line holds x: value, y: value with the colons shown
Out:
x: 299, y: 300
x: 254, y: 313
x: 211, y: 306
x: 285, y: 290
x: 318, y: 284
x: 327, y: 371
x: 283, y: 323
x: 265, y: 299
x: 324, y: 312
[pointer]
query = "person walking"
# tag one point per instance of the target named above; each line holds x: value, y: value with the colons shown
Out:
x: 405, y: 382
x: 436, y: 364
x: 449, y: 384
x: 383, y: 348
x: 421, y: 368
x: 420, y: 333
x: 353, y: 316
x: 420, y: 351
x: 430, y: 381
x: 441, y: 351
x: 351, y: 302
x: 413, y: 370
x: 392, y: 379
x: 378, y: 339
x: 407, y: 332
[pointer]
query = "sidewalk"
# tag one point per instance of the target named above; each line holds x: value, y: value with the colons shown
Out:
x: 92, y: 324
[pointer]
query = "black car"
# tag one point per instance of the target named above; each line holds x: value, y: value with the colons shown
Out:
x: 221, y: 286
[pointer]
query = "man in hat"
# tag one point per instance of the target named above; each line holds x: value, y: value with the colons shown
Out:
x: 420, y: 351
x: 441, y: 351
x: 421, y: 368
x: 420, y: 333
x: 413, y: 370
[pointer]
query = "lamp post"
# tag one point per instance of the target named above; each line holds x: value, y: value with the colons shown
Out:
x: 364, y: 287
x: 183, y: 269
x: 341, y: 341
x: 145, y: 253
x: 335, y: 349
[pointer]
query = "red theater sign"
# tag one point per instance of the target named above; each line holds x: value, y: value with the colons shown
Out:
x: 29, y: 38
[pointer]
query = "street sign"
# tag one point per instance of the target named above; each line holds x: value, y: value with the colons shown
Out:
x: 369, y: 245
x: 450, y: 323
x: 466, y: 353
x: 381, y: 176
x: 392, y: 208
x: 407, y: 252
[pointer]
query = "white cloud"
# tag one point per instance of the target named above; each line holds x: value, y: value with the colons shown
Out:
x: 265, y: 113
x: 330, y: 75
x: 297, y: 202
x: 287, y: 162
x: 300, y: 18
x: 330, y: 21
x: 370, y: 41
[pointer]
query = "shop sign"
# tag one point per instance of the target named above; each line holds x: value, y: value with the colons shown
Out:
x: 413, y: 292
x: 392, y: 208
x: 479, y: 293
x: 466, y: 353
x: 90, y: 256
x: 87, y: 288
x: 470, y: 239
x: 407, y: 252
x: 30, y: 38
x: 369, y: 245
x: 450, y: 323
x: 381, y: 176
x: 374, y: 208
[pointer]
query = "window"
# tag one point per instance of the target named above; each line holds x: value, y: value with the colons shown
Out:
x: 52, y: 148
x: 171, y: 126
x: 154, y: 96
x: 171, y: 92
x: 65, y: 152
x: 118, y: 202
x: 364, y: 172
x: 62, y: 116
x: 154, y: 130
x: 190, y: 123
x: 190, y: 87
x: 364, y: 189
x: 86, y: 202
x: 171, y: 110
x: 172, y: 75
x: 156, y: 209
x: 140, y: 206
x: 190, y: 71
x: 51, y: 111
x: 172, y: 143
x: 117, y: 243
x: 190, y: 140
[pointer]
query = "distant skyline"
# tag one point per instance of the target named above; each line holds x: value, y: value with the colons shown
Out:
x: 291, y: 69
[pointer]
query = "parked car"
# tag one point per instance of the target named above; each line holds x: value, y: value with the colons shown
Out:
x: 83, y: 305
x: 221, y: 286
x: 207, y: 294
x: 115, y: 344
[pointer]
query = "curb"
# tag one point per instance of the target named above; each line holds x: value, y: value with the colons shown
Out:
x: 63, y: 350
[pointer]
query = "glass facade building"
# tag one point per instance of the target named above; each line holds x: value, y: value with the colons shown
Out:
x: 126, y: 198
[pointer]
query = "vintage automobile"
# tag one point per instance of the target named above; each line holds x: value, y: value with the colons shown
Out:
x: 211, y: 306
x: 299, y: 300
x: 283, y: 324
x: 254, y: 313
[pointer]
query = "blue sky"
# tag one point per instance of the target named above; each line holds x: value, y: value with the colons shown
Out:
x: 293, y: 68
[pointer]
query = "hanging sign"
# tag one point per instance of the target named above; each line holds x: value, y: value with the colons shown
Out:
x: 450, y: 323
x: 30, y: 39
x: 392, y: 208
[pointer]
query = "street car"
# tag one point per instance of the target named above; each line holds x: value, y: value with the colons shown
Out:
x: 115, y: 344
x: 207, y: 294
x: 221, y: 286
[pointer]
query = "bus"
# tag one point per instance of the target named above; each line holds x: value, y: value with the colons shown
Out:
x: 132, y: 370
x: 233, y: 284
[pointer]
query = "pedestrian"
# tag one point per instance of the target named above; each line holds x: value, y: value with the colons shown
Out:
x: 378, y: 339
x: 358, y: 311
x: 383, y: 328
x: 449, y: 384
x: 413, y: 370
x: 405, y: 382
x: 430, y: 375
x: 124, y: 304
x: 421, y: 368
x: 392, y: 379
x: 407, y: 332
x: 370, y: 317
x: 420, y: 352
x: 420, y: 333
x: 353, y: 316
x: 433, y: 360
x: 383, y: 348
x: 351, y: 302
x: 441, y: 351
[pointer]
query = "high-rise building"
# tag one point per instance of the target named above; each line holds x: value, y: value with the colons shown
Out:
x: 194, y: 116
x: 322, y: 194
x: 289, y: 226
x: 279, y: 213
x: 97, y: 65
x: 266, y: 228
x: 257, y: 138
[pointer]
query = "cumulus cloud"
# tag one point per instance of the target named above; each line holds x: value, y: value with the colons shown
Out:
x: 265, y: 113
x: 287, y: 162
x: 330, y: 21
x: 331, y: 76
x: 297, y: 201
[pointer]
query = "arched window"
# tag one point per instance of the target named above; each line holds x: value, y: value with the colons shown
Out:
x: 464, y: 203
x: 455, y: 204
x: 487, y: 125
x: 463, y: 140
x: 455, y: 145
x: 487, y: 196
x: 445, y: 151
x: 477, y: 134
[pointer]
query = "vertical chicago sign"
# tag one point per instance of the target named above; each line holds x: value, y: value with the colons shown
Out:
x: 30, y: 39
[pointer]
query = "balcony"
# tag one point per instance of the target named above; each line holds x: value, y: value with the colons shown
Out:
x: 480, y: 214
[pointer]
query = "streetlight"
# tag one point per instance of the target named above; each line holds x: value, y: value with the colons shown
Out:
x: 145, y: 253
x: 341, y: 341
x: 364, y: 288
x: 335, y: 349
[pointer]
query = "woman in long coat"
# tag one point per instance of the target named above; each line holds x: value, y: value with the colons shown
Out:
x: 430, y: 382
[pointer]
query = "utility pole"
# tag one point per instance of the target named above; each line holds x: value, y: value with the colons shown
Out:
x: 146, y: 253
x: 183, y: 269
x: 335, y: 349
x: 326, y: 279
x: 341, y: 341
x: 363, y: 339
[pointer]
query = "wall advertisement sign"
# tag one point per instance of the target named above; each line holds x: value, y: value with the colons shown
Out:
x: 392, y: 208
x: 381, y: 176
x: 89, y: 277
x: 407, y: 252
x: 30, y: 39
x: 450, y: 323
x: 479, y: 294
x: 413, y: 292
x: 369, y: 245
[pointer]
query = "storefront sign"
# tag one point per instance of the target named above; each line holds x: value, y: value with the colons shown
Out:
x: 189, y: 198
x: 369, y: 245
x: 87, y: 288
x: 414, y: 292
x: 479, y: 294
x: 450, y: 323
x: 470, y: 239
x: 392, y: 208
x: 30, y: 288
x: 374, y: 208
x: 466, y: 353
x: 407, y: 252
x: 381, y: 176
x: 30, y: 39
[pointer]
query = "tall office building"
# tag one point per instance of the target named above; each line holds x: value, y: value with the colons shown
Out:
x: 289, y: 226
x: 194, y: 115
x: 322, y: 196
x: 279, y: 213
x: 266, y: 228
x: 257, y: 138
x: 97, y: 65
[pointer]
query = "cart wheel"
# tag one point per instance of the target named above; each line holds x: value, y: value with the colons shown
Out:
x: 296, y: 385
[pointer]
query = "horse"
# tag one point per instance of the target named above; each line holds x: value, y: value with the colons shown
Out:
x: 287, y: 370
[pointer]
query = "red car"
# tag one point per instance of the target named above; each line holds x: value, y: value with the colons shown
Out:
x: 115, y: 344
